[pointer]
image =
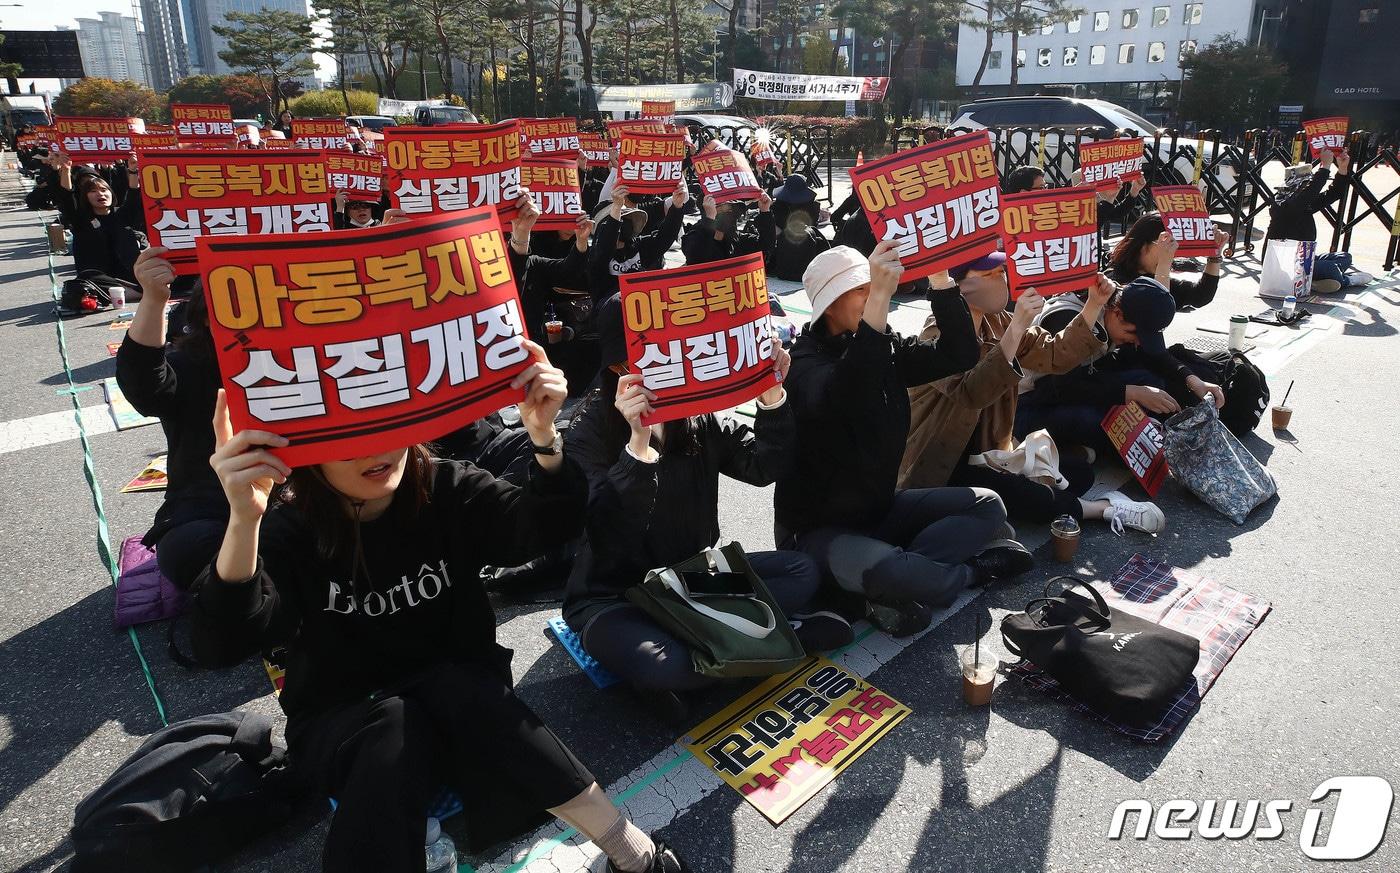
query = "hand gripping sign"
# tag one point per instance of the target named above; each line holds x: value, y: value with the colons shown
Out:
x: 939, y: 202
x: 1326, y: 133
x: 358, y: 342
x: 553, y: 184
x: 725, y: 175
x: 550, y: 137
x: 650, y: 163
x: 1052, y: 240
x: 203, y: 125
x: 359, y: 175
x: 189, y: 194
x: 700, y: 336
x: 1107, y: 163
x: 1184, y: 212
x: 444, y: 169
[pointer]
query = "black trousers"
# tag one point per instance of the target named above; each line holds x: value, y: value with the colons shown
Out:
x: 385, y: 758
x: 186, y: 549
x: 1027, y: 500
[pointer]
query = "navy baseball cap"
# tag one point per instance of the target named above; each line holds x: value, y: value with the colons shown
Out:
x: 1149, y: 307
x: 986, y: 262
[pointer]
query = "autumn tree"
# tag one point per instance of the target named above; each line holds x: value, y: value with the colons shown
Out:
x: 243, y: 94
x: 273, y: 44
x: 106, y: 98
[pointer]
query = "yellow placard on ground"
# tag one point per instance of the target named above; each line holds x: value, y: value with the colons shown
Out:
x: 785, y: 740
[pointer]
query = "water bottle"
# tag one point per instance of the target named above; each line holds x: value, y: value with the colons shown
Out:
x: 442, y: 854
x: 1290, y: 308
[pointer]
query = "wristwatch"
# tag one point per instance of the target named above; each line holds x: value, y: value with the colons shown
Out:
x: 555, y: 447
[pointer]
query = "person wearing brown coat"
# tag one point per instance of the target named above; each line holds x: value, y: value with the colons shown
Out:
x: 974, y: 411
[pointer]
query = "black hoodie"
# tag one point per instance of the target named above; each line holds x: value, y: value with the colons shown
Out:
x: 418, y: 602
x: 1291, y: 216
x: 644, y: 252
x: 850, y: 396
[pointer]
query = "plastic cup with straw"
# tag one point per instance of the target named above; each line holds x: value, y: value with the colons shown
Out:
x: 979, y: 672
x: 1282, y: 412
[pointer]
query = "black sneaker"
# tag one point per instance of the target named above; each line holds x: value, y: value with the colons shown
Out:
x: 664, y: 861
x: 902, y: 619
x: 999, y: 561
x: 821, y: 631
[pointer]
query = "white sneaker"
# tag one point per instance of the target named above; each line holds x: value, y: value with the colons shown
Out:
x: 1122, y: 512
x: 1359, y: 278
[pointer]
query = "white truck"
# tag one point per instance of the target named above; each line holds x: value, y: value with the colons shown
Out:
x: 18, y: 111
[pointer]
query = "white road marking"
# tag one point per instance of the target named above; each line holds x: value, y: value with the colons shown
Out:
x: 53, y: 427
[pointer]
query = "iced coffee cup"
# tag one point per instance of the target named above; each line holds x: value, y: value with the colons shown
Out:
x: 1282, y: 416
x: 1064, y: 538
x: 979, y: 674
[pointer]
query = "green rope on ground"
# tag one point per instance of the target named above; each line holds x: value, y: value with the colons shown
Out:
x: 104, y: 537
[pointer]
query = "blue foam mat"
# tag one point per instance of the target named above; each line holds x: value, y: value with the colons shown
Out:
x: 599, y: 675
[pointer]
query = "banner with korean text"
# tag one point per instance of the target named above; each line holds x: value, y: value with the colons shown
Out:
x: 795, y: 86
x: 1326, y: 133
x: 650, y: 163
x: 787, y: 739
x: 554, y: 188
x: 595, y: 149
x: 359, y: 175
x: 1141, y: 442
x: 939, y: 202
x: 1107, y: 163
x: 550, y: 137
x: 1051, y: 240
x: 444, y: 169
x: 658, y: 108
x: 1184, y: 212
x: 188, y: 194
x: 96, y: 140
x: 725, y: 175
x: 320, y: 133
x: 354, y: 343
x: 203, y: 125
x: 636, y: 125
x: 154, y: 141
x: 700, y: 336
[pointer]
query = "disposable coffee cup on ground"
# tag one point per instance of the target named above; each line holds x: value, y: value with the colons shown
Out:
x: 979, y: 674
x: 1282, y: 416
x: 117, y: 294
x: 1064, y: 538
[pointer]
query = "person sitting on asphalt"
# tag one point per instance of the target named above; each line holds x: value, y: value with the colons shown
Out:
x: 1134, y: 366
x: 1023, y: 179
x: 654, y: 501
x: 178, y: 384
x: 795, y: 216
x: 367, y: 569
x: 905, y: 551
x: 622, y: 243
x: 107, y: 235
x: 717, y: 235
x: 973, y: 412
x: 852, y: 226
x: 1291, y: 217
x: 1148, y: 250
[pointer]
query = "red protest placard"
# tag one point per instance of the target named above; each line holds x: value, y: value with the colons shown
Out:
x: 359, y: 175
x: 554, y: 188
x: 595, y: 148
x: 98, y: 140
x: 444, y: 169
x: 154, y: 141
x: 1110, y: 162
x: 1140, y: 440
x: 725, y: 175
x: 548, y: 137
x: 363, y: 341
x: 1052, y: 241
x: 1183, y: 209
x: 650, y: 163
x: 320, y: 133
x: 938, y: 202
x: 249, y: 137
x: 762, y: 153
x: 1326, y: 133
x: 700, y: 336
x: 658, y: 108
x: 636, y: 125
x: 203, y: 123
x: 272, y: 139
x: 190, y: 194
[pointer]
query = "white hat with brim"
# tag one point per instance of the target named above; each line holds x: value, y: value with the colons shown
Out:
x: 831, y: 274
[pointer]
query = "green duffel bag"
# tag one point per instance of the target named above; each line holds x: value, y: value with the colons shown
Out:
x: 716, y: 604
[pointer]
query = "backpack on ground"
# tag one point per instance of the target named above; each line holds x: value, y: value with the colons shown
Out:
x: 1246, y: 387
x: 193, y: 792
x: 79, y: 296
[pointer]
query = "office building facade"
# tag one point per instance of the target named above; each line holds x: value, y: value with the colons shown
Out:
x: 111, y: 48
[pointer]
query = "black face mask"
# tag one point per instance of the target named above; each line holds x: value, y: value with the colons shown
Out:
x: 726, y: 220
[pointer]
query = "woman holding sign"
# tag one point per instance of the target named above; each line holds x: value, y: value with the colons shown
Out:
x: 654, y: 501
x: 367, y: 571
x: 1148, y: 250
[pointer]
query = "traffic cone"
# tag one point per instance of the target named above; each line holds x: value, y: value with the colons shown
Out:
x: 860, y: 157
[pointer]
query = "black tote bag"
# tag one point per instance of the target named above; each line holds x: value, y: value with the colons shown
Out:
x: 1126, y: 667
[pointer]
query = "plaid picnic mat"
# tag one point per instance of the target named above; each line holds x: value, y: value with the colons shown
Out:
x: 1217, y: 615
